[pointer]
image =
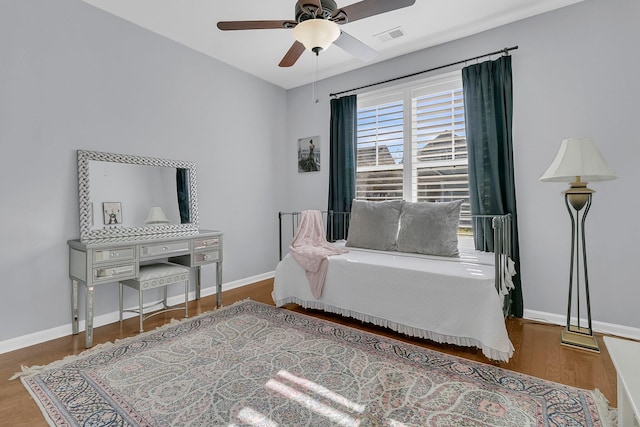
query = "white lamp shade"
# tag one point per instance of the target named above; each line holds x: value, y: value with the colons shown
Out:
x: 156, y: 216
x: 578, y: 157
x: 316, y: 33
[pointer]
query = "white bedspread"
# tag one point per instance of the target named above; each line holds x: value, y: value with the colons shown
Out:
x: 448, y: 300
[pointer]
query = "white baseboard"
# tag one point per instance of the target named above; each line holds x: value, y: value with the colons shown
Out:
x: 602, y: 327
x: 232, y: 285
x: 104, y: 319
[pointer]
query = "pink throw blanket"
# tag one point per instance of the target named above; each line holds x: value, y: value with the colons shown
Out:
x: 311, y: 249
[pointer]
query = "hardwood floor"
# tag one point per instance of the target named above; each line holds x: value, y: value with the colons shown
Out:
x: 537, y: 352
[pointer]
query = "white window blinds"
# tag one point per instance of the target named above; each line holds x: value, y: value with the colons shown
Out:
x: 380, y: 150
x: 417, y: 153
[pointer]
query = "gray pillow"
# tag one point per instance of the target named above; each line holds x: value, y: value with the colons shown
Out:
x: 374, y: 225
x: 429, y: 228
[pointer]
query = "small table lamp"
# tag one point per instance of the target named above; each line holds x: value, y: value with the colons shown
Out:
x: 577, y: 162
x: 156, y: 216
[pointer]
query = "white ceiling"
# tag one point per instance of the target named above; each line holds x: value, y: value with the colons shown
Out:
x: 258, y: 52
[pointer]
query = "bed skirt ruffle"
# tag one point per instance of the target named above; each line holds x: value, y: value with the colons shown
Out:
x: 398, y: 327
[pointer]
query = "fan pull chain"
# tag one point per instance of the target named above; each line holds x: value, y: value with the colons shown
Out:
x: 315, y: 79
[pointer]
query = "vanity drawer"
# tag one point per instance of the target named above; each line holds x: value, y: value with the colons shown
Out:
x: 114, y: 272
x: 206, y: 257
x: 205, y: 243
x: 170, y: 248
x: 120, y: 254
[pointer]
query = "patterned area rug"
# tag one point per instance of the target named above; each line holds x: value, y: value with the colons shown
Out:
x: 252, y: 364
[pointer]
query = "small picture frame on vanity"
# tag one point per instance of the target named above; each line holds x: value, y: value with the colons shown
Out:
x: 112, y: 213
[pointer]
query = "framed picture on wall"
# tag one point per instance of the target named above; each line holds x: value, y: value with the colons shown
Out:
x: 309, y: 154
x: 112, y: 213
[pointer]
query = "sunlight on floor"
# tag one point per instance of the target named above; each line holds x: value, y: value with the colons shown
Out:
x: 322, y: 391
x: 254, y: 418
x: 394, y: 423
x: 319, y: 408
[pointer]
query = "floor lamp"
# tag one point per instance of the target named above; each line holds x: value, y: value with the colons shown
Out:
x: 578, y: 162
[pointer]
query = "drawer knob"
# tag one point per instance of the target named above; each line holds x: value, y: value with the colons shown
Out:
x: 206, y: 257
x: 164, y: 248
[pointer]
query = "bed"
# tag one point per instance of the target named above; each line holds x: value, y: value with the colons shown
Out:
x: 458, y: 300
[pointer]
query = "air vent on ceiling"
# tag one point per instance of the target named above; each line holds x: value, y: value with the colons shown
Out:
x: 391, y: 34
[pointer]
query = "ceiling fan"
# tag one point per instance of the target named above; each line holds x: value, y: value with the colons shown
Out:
x: 316, y: 26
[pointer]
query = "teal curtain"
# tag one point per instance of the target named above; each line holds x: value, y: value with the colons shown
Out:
x: 488, y: 105
x: 342, y: 161
x: 182, y: 182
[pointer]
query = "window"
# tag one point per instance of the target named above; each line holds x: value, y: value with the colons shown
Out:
x: 411, y: 144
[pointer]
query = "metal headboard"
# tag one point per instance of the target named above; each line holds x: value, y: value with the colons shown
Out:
x: 328, y: 218
x: 501, y: 245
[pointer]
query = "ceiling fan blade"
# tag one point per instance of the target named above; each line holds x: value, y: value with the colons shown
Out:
x: 255, y: 25
x: 366, y: 8
x: 315, y: 3
x: 292, y: 55
x: 355, y: 47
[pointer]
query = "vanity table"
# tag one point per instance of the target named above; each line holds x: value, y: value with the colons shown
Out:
x: 102, y: 261
x: 116, y: 239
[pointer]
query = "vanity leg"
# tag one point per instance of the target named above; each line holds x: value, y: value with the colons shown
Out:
x: 186, y: 299
x: 89, y: 318
x: 120, y: 293
x: 218, y: 284
x: 74, y: 307
x: 198, y: 281
x: 140, y: 304
x: 164, y: 301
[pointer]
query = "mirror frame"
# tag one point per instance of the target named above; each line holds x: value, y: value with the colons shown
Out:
x: 86, y: 208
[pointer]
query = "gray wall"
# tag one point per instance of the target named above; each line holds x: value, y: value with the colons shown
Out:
x: 74, y: 77
x: 575, y: 74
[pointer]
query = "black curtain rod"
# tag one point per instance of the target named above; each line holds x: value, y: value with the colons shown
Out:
x: 504, y: 51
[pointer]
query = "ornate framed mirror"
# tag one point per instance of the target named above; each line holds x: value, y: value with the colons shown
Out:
x: 124, y: 196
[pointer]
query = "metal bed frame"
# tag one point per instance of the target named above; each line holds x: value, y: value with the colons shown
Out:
x: 498, y: 242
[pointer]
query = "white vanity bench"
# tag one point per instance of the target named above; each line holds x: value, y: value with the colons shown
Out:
x: 104, y: 261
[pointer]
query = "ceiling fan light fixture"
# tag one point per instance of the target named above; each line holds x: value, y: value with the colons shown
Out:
x: 316, y: 34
